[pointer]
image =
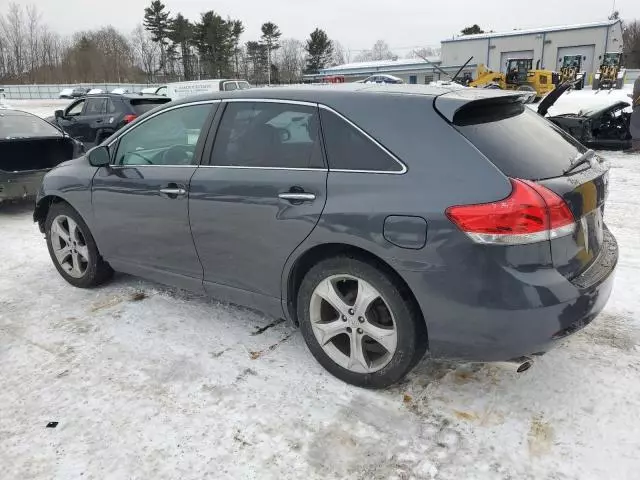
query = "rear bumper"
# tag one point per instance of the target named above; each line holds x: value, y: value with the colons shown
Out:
x: 18, y: 185
x: 485, y: 331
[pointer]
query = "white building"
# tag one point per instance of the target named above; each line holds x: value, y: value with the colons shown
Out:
x: 409, y: 70
x: 546, y: 46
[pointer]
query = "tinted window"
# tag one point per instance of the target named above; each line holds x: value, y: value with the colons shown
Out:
x: 111, y: 108
x: 518, y: 141
x: 143, y: 105
x: 96, y: 106
x: 23, y: 125
x: 257, y: 134
x: 229, y: 86
x: 348, y: 149
x: 167, y: 139
x: 75, y: 109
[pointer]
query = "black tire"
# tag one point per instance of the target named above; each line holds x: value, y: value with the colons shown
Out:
x: 410, y: 327
x: 97, y: 270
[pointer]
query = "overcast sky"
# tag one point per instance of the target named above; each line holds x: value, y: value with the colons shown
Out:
x: 357, y: 24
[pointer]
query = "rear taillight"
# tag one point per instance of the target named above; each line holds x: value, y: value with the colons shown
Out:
x: 129, y: 118
x: 531, y: 213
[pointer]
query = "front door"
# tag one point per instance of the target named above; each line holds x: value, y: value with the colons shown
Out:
x: 92, y: 119
x: 261, y: 195
x: 141, y: 200
x: 70, y: 119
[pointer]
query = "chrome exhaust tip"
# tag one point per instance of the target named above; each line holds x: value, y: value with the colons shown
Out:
x: 519, y: 365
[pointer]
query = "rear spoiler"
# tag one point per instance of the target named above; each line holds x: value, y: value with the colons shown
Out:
x: 451, y: 103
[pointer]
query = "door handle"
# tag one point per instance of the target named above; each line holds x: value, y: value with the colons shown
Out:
x: 176, y: 192
x: 297, y: 197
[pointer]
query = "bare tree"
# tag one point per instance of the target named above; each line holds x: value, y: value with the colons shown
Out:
x: 631, y: 38
x: 341, y: 55
x: 290, y: 60
x: 380, y: 51
x: 33, y: 40
x: 13, y: 29
x: 146, y: 52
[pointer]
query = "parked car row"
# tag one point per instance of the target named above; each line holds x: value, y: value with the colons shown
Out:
x: 83, y: 91
x: 457, y: 222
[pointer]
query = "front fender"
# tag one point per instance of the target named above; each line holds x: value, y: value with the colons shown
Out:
x: 69, y: 182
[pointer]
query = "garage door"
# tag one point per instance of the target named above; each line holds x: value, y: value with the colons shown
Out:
x: 504, y: 56
x: 587, y: 52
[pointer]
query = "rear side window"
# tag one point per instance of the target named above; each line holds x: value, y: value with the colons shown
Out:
x: 96, y: 106
x: 349, y: 149
x: 271, y: 135
x: 143, y: 105
x: 518, y: 141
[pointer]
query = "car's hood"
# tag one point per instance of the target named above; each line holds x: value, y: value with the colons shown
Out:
x: 552, y: 97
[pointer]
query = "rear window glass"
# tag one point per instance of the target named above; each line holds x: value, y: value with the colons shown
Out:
x: 518, y: 141
x: 143, y: 105
x: 25, y: 126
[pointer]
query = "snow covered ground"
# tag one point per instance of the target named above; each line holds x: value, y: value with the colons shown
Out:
x: 149, y: 382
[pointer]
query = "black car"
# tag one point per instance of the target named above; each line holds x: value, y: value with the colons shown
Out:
x: 606, y: 127
x: 30, y: 147
x: 96, y: 117
x: 384, y: 220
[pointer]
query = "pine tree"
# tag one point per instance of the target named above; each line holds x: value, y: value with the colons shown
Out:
x: 237, y: 29
x: 270, y: 36
x: 257, y: 57
x: 214, y: 40
x: 472, y: 30
x: 181, y: 34
x: 156, y: 21
x: 319, y: 49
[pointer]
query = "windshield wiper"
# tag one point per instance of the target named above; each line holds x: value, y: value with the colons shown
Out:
x: 581, y: 160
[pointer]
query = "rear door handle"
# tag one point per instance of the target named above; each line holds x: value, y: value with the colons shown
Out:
x: 297, y: 197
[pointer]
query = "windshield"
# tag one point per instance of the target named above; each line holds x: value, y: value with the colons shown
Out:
x: 24, y: 125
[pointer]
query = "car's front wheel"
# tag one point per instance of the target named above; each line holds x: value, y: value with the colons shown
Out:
x: 358, y: 324
x: 73, y: 249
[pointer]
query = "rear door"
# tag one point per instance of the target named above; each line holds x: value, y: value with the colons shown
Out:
x: 260, y: 196
x: 92, y: 119
x: 524, y: 145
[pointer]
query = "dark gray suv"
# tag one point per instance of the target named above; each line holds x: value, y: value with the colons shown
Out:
x: 384, y: 220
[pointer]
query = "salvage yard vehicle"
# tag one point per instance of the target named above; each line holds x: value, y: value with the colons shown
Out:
x: 179, y: 90
x: 384, y: 220
x: 611, y: 73
x: 520, y: 76
x: 30, y: 147
x: 571, y: 71
x: 606, y: 127
x: 95, y: 118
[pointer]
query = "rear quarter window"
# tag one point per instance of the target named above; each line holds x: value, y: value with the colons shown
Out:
x: 143, y: 105
x: 521, y: 143
x: 349, y: 149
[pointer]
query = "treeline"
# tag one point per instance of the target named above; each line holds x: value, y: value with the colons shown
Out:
x: 164, y: 47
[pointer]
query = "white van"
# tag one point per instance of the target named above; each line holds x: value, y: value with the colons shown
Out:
x: 179, y: 90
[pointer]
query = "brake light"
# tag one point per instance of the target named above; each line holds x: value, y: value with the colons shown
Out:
x: 531, y: 213
x: 129, y: 118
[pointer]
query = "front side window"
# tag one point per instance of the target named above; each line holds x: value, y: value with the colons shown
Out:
x: 169, y: 138
x: 263, y: 134
x: 75, y: 109
x: 349, y: 149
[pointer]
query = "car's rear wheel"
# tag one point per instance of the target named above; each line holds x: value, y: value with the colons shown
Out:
x: 358, y: 324
x: 73, y: 249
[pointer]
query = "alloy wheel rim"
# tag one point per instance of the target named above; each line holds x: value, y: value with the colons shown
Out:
x: 69, y: 246
x: 353, y: 323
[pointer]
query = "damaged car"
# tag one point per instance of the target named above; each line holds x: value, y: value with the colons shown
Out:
x: 29, y: 148
x: 605, y: 127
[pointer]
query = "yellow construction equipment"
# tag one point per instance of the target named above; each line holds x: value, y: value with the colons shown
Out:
x: 520, y: 76
x: 611, y: 73
x: 571, y: 71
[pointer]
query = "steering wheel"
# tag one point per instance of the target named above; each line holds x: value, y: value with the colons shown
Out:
x: 177, y: 154
x: 141, y: 156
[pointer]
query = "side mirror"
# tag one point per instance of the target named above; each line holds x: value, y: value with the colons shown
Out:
x: 58, y: 114
x: 99, y: 156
